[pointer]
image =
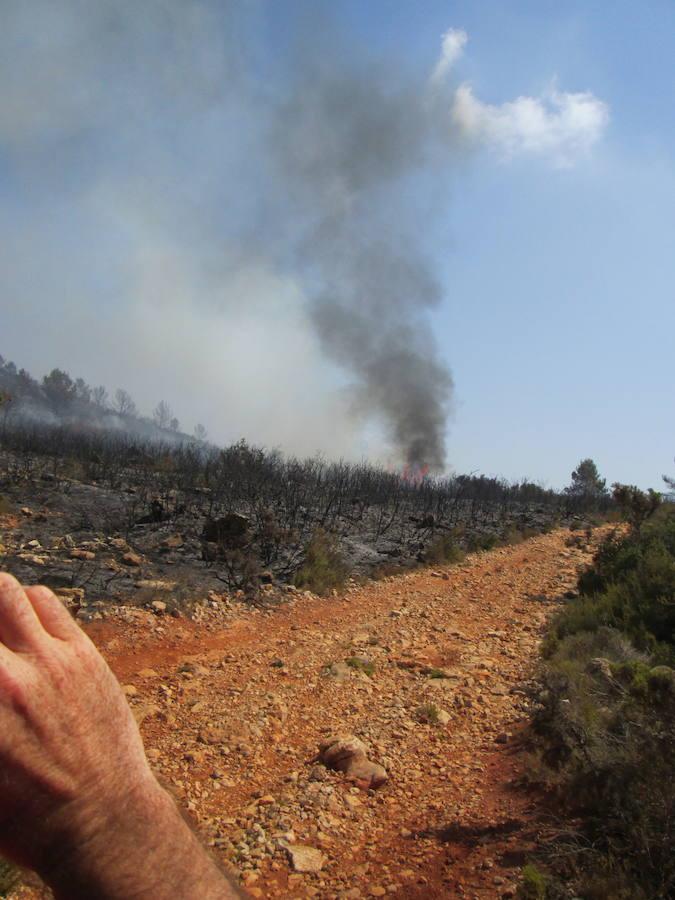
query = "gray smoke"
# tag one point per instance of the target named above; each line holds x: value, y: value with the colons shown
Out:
x: 232, y: 174
x: 350, y: 143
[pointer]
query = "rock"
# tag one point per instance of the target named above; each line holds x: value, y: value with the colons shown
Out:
x: 132, y: 559
x: 173, y: 542
x: 130, y: 690
x: 601, y: 666
x: 305, y: 859
x: 443, y: 717
x: 145, y: 711
x: 155, y: 584
x: 339, y: 671
x: 159, y: 606
x: 230, y: 530
x: 340, y: 752
x: 84, y: 555
x: 211, y: 734
x: 117, y: 543
x: 347, y: 754
x: 70, y: 596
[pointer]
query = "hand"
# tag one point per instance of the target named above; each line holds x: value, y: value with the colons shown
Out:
x: 78, y: 800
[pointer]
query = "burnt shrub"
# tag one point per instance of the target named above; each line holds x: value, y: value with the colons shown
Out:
x: 324, y: 568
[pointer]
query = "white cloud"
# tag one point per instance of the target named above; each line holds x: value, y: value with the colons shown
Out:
x: 452, y: 47
x: 559, y: 126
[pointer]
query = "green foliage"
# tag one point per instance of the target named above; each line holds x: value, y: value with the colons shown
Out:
x: 636, y: 506
x: 586, y: 482
x: 436, y: 673
x: 324, y: 568
x: 59, y: 387
x: 443, y: 549
x: 631, y: 587
x: 477, y: 542
x: 605, y: 721
x: 532, y: 885
x: 361, y: 665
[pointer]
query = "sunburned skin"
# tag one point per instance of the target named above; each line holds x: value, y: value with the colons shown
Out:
x: 79, y: 803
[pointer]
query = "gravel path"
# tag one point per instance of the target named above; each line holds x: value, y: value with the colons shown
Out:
x: 427, y: 669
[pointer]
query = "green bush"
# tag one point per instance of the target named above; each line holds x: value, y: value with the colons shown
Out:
x: 631, y: 587
x: 532, y: 885
x: 477, y: 542
x: 443, y: 550
x: 324, y: 568
x: 361, y: 665
x: 604, y: 725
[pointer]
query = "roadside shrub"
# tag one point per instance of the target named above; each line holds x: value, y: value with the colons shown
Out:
x: 324, y: 568
x: 631, y: 587
x: 604, y: 725
x: 477, y: 542
x: 443, y: 549
x: 512, y: 536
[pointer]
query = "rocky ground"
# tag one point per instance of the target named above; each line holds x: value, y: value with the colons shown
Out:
x: 429, y: 670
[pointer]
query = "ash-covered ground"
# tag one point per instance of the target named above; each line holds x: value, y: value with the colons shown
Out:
x: 151, y: 539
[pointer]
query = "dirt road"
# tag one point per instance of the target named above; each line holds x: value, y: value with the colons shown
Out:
x: 233, y: 717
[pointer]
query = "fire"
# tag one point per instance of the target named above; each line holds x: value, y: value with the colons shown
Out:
x: 414, y: 473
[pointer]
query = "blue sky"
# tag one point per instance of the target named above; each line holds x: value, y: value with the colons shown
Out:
x: 556, y: 265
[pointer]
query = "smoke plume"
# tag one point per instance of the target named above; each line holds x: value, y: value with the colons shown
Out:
x: 230, y: 206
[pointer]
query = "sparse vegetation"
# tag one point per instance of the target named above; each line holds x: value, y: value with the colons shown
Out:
x: 428, y: 714
x: 533, y: 884
x: 361, y: 665
x: 443, y: 550
x: 324, y: 568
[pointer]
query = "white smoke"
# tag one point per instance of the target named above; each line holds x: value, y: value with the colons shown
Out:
x: 452, y: 46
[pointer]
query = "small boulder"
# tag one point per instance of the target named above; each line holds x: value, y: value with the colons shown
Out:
x: 132, y: 559
x: 83, y: 555
x: 348, y: 754
x: 305, y: 859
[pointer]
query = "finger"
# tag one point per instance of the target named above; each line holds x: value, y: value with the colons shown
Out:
x: 20, y: 628
x: 53, y: 615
